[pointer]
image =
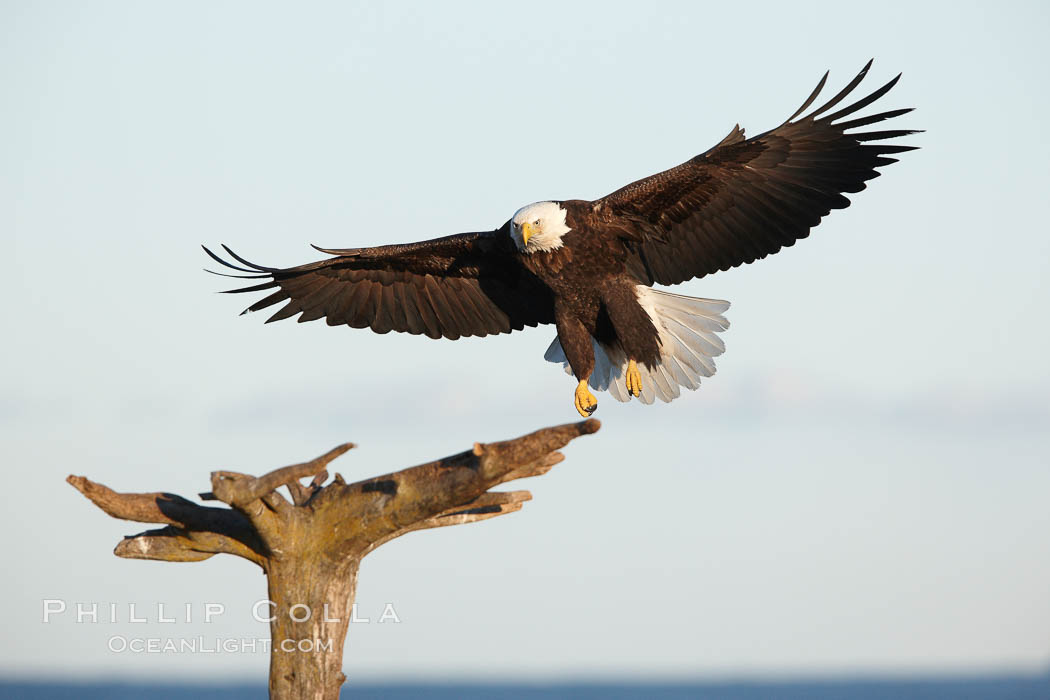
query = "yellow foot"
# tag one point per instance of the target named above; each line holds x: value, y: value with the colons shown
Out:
x: 585, y: 401
x: 634, y: 379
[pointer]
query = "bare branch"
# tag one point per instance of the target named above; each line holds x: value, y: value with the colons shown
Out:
x: 265, y: 512
x: 469, y: 516
x: 298, y: 492
x: 285, y: 475
x: 240, y: 489
x: 159, y: 545
x: 176, y: 544
x: 301, y: 494
x: 163, y: 508
x: 232, y: 532
x: 537, y: 468
x: 487, y: 505
x: 396, y: 502
x: 499, y: 458
x: 140, y: 507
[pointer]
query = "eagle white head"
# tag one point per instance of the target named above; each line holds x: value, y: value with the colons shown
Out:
x: 538, y: 226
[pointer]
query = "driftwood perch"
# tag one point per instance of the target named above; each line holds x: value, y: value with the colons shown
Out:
x: 311, y: 547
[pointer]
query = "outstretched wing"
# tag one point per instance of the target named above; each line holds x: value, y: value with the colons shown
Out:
x: 470, y: 284
x: 746, y: 199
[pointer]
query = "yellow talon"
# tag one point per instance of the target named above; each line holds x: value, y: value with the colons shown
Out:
x: 585, y: 401
x: 634, y: 379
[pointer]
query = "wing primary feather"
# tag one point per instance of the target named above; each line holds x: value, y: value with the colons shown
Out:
x: 259, y: 276
x: 881, y: 150
x: 865, y: 121
x: 809, y: 100
x: 310, y: 315
x: 225, y: 263
x: 315, y: 303
x: 287, y: 311
x: 279, y: 295
x: 241, y: 260
x: 864, y: 102
x: 254, y: 288
x: 845, y: 91
x: 883, y: 135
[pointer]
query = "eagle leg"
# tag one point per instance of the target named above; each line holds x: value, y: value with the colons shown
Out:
x: 633, y: 379
x: 585, y: 401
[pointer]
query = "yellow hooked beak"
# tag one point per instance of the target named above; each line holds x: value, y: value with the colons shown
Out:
x: 526, y: 233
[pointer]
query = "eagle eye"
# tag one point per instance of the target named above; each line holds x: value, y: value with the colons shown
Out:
x: 536, y: 222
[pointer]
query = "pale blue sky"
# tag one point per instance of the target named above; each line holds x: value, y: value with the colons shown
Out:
x: 862, y: 486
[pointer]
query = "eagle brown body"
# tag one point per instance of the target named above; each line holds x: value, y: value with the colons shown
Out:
x: 594, y: 295
x: 587, y: 266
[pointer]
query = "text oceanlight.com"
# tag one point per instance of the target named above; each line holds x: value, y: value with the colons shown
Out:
x: 120, y: 644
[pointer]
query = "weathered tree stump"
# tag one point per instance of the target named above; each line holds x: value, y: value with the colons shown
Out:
x: 311, y: 547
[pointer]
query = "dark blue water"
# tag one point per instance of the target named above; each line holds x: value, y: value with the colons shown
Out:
x: 999, y: 688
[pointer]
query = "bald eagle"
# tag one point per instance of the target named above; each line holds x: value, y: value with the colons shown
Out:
x: 588, y: 266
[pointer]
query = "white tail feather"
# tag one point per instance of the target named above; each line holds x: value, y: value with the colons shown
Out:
x: 688, y: 328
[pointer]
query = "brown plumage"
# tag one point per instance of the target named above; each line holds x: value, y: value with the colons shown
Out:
x: 463, y: 285
x: 586, y: 265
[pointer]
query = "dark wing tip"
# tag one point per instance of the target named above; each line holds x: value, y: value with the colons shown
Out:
x: 242, y: 277
x: 812, y: 96
x: 238, y: 258
x: 224, y: 263
x: 251, y: 269
x: 859, y: 104
x: 843, y: 92
x: 255, y: 273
